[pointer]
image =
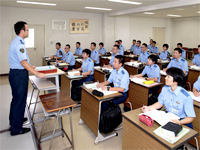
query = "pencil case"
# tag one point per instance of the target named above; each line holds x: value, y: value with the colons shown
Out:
x: 148, y: 82
x: 97, y: 93
x: 146, y: 120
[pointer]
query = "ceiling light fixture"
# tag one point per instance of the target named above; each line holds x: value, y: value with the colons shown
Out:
x: 170, y: 15
x: 148, y: 13
x: 198, y: 12
x: 97, y: 8
x: 126, y: 2
x: 36, y: 3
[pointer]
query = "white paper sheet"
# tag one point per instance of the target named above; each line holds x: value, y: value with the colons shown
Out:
x: 163, y: 73
x: 91, y: 86
x: 195, y: 67
x: 97, y: 67
x: 194, y: 97
x: 137, y: 80
x: 73, y: 73
x: 41, y: 68
x: 105, y: 92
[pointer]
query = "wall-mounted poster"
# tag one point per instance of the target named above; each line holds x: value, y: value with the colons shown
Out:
x: 58, y: 24
x: 79, y: 25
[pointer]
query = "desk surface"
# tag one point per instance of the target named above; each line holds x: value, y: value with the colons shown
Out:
x: 133, y: 117
x: 56, y: 101
x: 103, y: 98
x: 149, y: 87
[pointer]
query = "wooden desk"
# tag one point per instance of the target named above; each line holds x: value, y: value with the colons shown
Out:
x: 193, y: 76
x: 196, y: 123
x: 133, y: 70
x: 44, y: 62
x: 162, y: 79
x: 137, y: 135
x: 78, y: 64
x: 139, y: 94
x: 91, y: 110
x: 104, y: 61
x: 99, y: 75
x: 60, y: 67
x: 129, y: 58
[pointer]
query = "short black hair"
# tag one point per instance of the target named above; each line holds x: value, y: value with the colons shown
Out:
x: 154, y: 58
x: 165, y: 45
x: 198, y: 45
x: 58, y: 43
x: 144, y: 44
x: 139, y: 41
x: 78, y: 43
x: 116, y: 46
x: 101, y: 43
x: 180, y: 44
x: 68, y: 45
x: 87, y: 51
x: 154, y: 42
x: 20, y: 25
x: 120, y: 40
x: 134, y: 40
x: 178, y: 49
x: 117, y: 41
x: 93, y: 43
x: 177, y: 74
x: 121, y: 59
x: 151, y: 39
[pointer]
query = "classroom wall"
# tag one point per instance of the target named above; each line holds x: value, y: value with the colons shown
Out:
x: 10, y: 15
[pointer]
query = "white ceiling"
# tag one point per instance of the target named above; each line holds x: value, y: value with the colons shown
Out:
x: 117, y: 8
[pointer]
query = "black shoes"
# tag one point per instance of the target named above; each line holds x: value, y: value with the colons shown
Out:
x: 24, y: 130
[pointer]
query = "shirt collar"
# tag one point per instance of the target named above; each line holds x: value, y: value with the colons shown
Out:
x: 119, y: 70
x: 176, y: 91
x: 179, y: 59
x: 22, y: 40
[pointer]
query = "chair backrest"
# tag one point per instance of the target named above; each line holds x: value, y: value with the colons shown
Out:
x: 195, y: 50
x: 185, y: 48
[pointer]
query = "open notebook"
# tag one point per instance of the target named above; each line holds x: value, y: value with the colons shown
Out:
x: 194, y: 97
x: 105, y: 92
x: 195, y: 67
x: 161, y: 117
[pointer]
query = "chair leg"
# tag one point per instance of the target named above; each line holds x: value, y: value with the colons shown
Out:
x: 196, y: 143
x: 42, y: 129
x: 130, y: 105
x: 54, y: 130
x: 70, y: 119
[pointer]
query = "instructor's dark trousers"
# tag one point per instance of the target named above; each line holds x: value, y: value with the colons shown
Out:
x: 18, y: 79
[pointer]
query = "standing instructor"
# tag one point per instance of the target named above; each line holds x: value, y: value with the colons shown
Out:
x: 18, y: 78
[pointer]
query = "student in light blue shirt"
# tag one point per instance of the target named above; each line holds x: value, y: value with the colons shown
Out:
x: 151, y: 69
x: 69, y: 58
x: 94, y: 54
x: 102, y: 50
x: 165, y: 54
x: 120, y: 79
x: 178, y: 62
x: 115, y: 51
x: 132, y: 49
x: 121, y: 52
x: 87, y: 67
x: 154, y: 49
x: 138, y: 48
x: 59, y: 54
x: 196, y: 59
x: 143, y: 58
x: 183, y: 55
x: 79, y: 50
x: 175, y: 98
x: 121, y: 46
x: 196, y: 87
x: 150, y: 45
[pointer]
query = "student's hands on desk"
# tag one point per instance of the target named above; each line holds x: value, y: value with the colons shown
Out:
x: 145, y: 109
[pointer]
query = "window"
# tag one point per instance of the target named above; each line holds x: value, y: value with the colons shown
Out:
x: 29, y: 42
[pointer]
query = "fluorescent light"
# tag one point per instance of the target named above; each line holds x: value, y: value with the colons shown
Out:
x: 97, y: 8
x: 198, y: 12
x: 148, y: 13
x: 36, y: 3
x: 173, y: 15
x: 126, y: 2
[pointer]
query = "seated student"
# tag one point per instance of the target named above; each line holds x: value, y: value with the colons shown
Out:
x: 121, y: 52
x: 115, y: 51
x: 196, y: 59
x: 120, y: 79
x: 121, y: 46
x: 79, y: 50
x: 180, y: 45
x: 154, y: 49
x: 94, y: 54
x: 59, y: 54
x: 132, y: 49
x: 102, y: 50
x: 165, y: 54
x: 138, y: 48
x: 87, y: 67
x: 150, y: 45
x: 68, y: 58
x: 178, y: 61
x: 143, y: 58
x: 196, y: 87
x: 151, y: 69
x: 175, y: 99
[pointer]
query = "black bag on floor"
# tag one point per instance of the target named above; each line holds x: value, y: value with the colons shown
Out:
x: 110, y: 118
x: 76, y: 93
x: 153, y: 99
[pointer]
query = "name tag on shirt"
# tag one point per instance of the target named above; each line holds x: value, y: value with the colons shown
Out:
x: 174, y: 111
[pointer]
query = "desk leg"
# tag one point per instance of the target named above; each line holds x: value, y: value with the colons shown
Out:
x: 35, y: 104
x: 57, y: 83
x: 31, y: 98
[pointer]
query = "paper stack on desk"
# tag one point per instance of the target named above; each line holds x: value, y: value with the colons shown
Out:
x: 195, y: 67
x: 164, y: 61
x: 134, y: 63
x: 194, y: 97
x: 163, y: 73
x: 90, y: 86
x: 107, y: 69
x: 63, y: 64
x: 97, y: 67
x: 48, y: 58
x: 137, y: 80
x: 72, y: 73
x: 105, y: 92
x: 79, y: 60
x: 161, y: 117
